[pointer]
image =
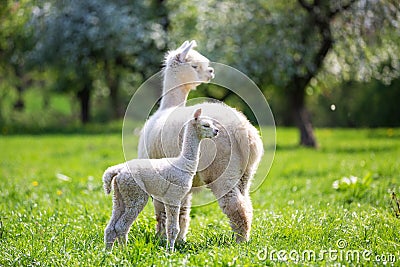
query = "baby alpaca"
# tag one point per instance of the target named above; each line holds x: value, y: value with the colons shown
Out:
x: 167, y: 180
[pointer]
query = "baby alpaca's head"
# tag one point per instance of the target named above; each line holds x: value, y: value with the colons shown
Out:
x: 205, y: 127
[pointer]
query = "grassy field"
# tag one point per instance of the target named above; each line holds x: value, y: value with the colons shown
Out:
x: 53, y: 210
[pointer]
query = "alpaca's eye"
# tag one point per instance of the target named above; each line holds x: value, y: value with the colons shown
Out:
x: 207, y: 125
x: 195, y: 66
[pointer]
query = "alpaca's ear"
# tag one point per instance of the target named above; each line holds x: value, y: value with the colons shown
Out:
x: 183, y: 54
x: 183, y: 46
x: 197, y: 114
x: 193, y: 43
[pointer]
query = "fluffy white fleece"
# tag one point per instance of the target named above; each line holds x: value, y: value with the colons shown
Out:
x: 168, y: 180
x: 226, y: 168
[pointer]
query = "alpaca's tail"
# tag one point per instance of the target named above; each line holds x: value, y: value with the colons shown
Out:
x: 256, y: 148
x: 108, y: 177
x: 252, y: 149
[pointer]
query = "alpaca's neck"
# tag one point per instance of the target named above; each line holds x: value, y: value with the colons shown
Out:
x: 174, y: 97
x: 189, y: 156
x: 174, y: 92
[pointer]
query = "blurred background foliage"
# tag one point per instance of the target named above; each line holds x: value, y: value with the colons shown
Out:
x: 318, y: 62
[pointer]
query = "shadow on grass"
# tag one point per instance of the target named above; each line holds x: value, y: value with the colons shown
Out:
x: 217, y: 240
x: 152, y: 241
x: 290, y: 147
x: 359, y: 149
x: 389, y: 133
x: 71, y: 129
x: 210, y: 241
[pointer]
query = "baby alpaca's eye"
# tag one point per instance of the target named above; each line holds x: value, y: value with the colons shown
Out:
x: 206, y: 125
x: 195, y: 66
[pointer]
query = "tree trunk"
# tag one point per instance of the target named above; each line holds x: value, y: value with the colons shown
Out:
x: 84, y: 98
x: 301, y: 117
x: 19, y: 104
x: 319, y: 19
x: 303, y: 122
x: 161, y: 12
x: 114, y: 102
x: 113, y: 83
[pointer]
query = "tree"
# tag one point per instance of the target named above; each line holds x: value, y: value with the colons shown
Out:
x: 85, y: 40
x: 287, y: 44
x: 315, y: 34
x: 15, y: 40
x: 367, y: 42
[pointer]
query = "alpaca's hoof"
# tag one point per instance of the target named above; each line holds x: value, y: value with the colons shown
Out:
x: 180, y: 241
x: 170, y: 248
x: 241, y: 238
x: 161, y: 235
x: 109, y: 246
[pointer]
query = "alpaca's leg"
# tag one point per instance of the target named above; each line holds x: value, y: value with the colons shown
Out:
x: 131, y: 212
x: 239, y: 211
x: 248, y: 210
x: 172, y: 225
x: 118, y: 209
x: 244, y: 183
x: 135, y: 200
x: 244, y: 187
x: 161, y: 217
x: 184, y: 217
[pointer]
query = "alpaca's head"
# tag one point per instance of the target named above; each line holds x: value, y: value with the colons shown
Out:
x: 205, y: 127
x: 185, y: 66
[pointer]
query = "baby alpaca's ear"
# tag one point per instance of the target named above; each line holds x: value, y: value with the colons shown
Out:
x: 197, y: 114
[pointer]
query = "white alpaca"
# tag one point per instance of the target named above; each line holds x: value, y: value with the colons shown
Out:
x: 227, y: 169
x: 168, y: 180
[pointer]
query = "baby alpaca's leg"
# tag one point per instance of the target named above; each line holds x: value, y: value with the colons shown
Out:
x: 132, y: 210
x: 172, y: 225
x: 118, y: 209
x: 135, y: 200
x: 161, y: 217
x: 184, y: 217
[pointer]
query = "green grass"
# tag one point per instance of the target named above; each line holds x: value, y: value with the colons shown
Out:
x: 48, y: 221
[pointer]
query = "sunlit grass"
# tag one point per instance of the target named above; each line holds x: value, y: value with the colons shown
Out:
x: 53, y: 210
